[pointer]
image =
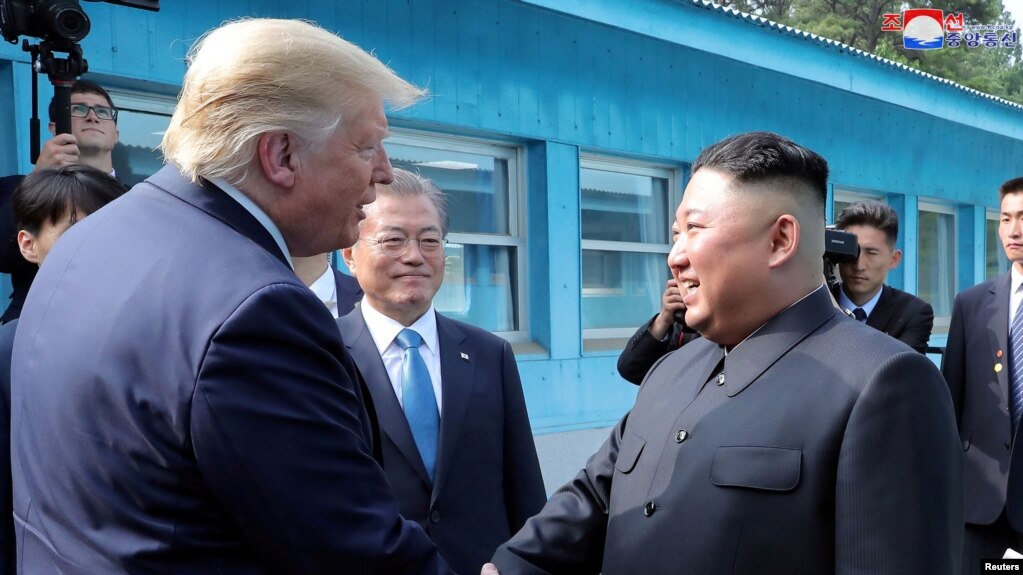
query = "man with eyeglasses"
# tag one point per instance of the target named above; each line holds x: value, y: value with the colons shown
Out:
x: 457, y: 446
x: 93, y: 131
x: 91, y: 143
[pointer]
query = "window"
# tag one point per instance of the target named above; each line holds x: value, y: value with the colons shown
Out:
x: 626, y: 212
x: 485, y: 269
x: 936, y: 248
x: 141, y: 122
x: 846, y: 198
x: 994, y: 256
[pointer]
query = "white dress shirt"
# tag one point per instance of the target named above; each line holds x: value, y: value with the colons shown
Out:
x: 1015, y: 296
x: 846, y: 303
x: 325, y: 288
x: 384, y: 329
x: 261, y: 217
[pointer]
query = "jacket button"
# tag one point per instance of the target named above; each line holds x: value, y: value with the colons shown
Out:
x: 721, y: 378
x: 649, y: 509
x: 681, y: 436
x: 1008, y: 445
x: 435, y: 516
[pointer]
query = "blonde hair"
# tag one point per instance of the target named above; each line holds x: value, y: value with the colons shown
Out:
x: 253, y: 76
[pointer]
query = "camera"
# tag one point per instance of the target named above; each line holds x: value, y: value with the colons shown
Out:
x: 839, y: 247
x: 59, y: 25
x: 60, y: 21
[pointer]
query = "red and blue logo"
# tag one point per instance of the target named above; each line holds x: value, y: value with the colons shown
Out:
x: 923, y: 29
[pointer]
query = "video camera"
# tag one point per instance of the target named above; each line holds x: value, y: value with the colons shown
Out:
x: 839, y: 247
x: 59, y: 25
x: 54, y: 20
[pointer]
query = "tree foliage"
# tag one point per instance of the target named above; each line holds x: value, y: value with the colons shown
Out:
x: 997, y: 71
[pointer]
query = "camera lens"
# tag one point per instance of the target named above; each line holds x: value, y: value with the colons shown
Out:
x: 63, y: 19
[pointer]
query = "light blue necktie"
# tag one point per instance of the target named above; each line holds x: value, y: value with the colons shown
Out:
x: 418, y: 399
x: 1016, y: 368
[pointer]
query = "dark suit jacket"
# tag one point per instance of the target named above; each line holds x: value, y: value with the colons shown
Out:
x: 11, y: 261
x: 826, y: 448
x: 348, y: 292
x: 488, y: 478
x: 643, y: 350
x: 183, y: 403
x: 977, y: 345
x: 902, y: 316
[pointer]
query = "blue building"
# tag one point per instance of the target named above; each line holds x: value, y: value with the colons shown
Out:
x: 563, y: 131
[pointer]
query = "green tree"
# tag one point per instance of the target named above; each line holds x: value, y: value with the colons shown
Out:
x: 997, y: 71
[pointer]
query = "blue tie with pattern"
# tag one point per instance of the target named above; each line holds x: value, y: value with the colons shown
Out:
x: 418, y: 399
x: 1016, y: 368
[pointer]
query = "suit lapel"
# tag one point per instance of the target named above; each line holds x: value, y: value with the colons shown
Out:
x: 214, y: 201
x: 391, y: 417
x: 760, y: 351
x: 882, y: 313
x: 997, y: 311
x: 458, y: 375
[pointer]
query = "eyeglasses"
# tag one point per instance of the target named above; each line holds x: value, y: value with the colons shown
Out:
x: 102, y: 112
x: 397, y: 246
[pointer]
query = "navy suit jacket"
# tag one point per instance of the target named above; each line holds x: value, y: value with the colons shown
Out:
x: 182, y: 403
x: 348, y: 292
x: 818, y: 445
x: 11, y: 261
x: 488, y: 478
x: 976, y: 368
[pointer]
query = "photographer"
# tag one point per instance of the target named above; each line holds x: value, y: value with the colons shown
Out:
x: 863, y: 291
x: 91, y: 143
x: 664, y: 333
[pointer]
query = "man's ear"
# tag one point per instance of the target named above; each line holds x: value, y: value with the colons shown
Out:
x: 784, y: 240
x: 278, y: 158
x: 346, y: 254
x: 896, y: 258
x: 53, y: 128
x: 27, y: 245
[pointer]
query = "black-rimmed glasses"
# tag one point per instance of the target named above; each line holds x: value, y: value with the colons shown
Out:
x: 102, y: 112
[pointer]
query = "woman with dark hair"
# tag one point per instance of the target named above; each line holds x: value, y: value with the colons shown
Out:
x: 45, y: 205
x: 48, y: 202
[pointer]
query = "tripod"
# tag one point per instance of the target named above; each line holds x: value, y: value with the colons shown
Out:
x: 62, y: 71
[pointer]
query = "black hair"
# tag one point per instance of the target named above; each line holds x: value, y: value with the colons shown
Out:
x: 49, y: 195
x: 871, y: 213
x: 82, y: 87
x: 1013, y: 186
x: 761, y: 156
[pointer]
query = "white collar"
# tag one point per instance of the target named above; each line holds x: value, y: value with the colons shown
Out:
x: 261, y: 217
x: 848, y: 304
x: 384, y: 329
x: 325, y: 287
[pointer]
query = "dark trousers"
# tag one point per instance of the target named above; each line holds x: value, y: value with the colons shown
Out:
x: 988, y: 542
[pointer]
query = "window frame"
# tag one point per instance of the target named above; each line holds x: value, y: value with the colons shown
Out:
x: 514, y: 155
x: 941, y: 322
x: 598, y: 339
x: 992, y: 215
x: 851, y: 196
